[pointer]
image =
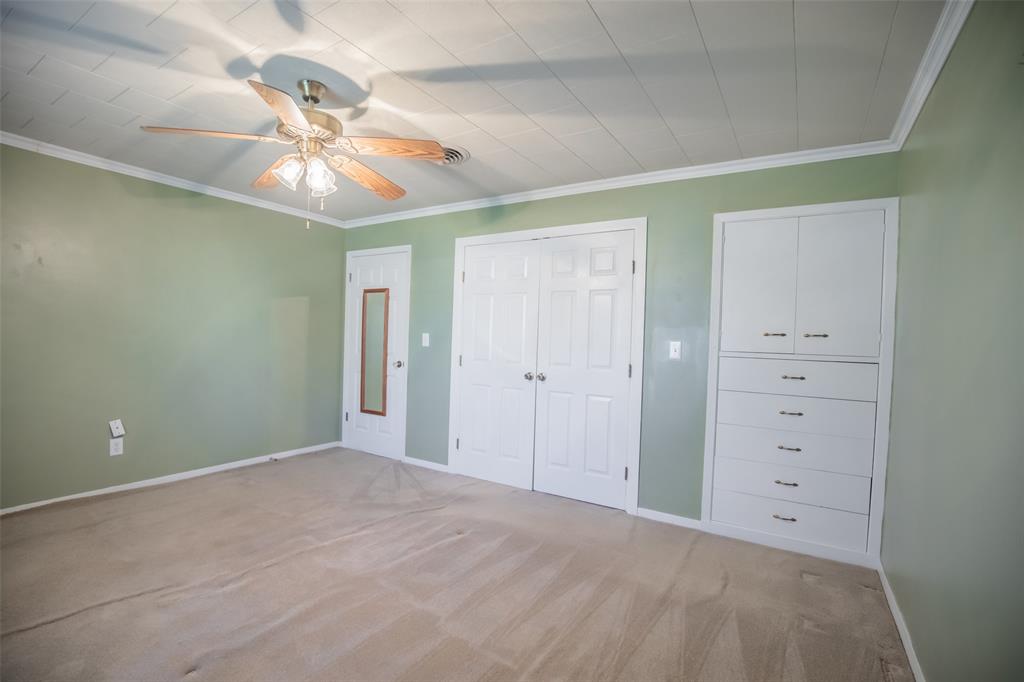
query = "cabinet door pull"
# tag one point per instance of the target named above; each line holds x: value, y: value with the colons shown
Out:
x: 774, y: 334
x: 790, y: 519
x: 791, y: 414
x: 816, y: 336
x: 786, y: 376
x: 786, y: 483
x: 783, y: 447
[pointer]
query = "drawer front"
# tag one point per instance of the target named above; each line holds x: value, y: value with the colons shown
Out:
x: 795, y: 413
x: 820, y: 488
x: 844, y: 380
x: 840, y: 454
x: 819, y: 525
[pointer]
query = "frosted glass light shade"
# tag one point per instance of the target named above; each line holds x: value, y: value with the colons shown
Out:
x: 289, y: 173
x: 319, y: 178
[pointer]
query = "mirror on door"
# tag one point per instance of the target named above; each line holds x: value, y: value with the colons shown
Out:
x: 373, y: 388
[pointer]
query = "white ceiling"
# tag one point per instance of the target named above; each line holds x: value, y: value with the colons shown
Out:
x: 540, y: 93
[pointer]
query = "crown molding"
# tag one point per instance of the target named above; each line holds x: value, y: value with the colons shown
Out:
x: 947, y: 29
x: 59, y: 152
x: 649, y: 178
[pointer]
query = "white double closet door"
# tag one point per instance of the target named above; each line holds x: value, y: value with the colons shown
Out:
x: 543, y: 392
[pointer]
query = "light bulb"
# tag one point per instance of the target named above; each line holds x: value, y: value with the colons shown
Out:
x: 319, y: 178
x: 290, y: 173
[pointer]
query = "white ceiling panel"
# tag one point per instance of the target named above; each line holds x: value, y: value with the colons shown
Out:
x: 539, y: 93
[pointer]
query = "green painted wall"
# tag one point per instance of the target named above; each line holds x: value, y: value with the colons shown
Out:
x: 213, y: 329
x: 953, y: 537
x: 678, y: 298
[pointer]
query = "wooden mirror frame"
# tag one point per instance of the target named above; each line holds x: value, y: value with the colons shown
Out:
x: 384, y: 357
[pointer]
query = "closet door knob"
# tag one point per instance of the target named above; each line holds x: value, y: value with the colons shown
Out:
x: 791, y: 414
x: 541, y: 377
x: 774, y: 334
x: 790, y: 519
x: 783, y: 447
x: 786, y: 376
x: 528, y: 376
x: 816, y: 336
x: 785, y: 483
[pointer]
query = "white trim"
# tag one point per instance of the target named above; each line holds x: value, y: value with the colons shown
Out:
x: 901, y: 626
x: 639, y: 228
x: 672, y: 519
x: 425, y: 464
x: 350, y: 345
x: 790, y: 545
x: 891, y: 208
x: 171, y: 478
x: 947, y: 29
x: 59, y: 152
x: 649, y: 178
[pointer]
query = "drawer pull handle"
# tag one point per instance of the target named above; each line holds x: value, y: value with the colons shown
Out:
x: 790, y: 519
x: 774, y: 334
x: 783, y: 447
x: 786, y: 483
x: 786, y: 376
x: 816, y: 336
x: 791, y: 414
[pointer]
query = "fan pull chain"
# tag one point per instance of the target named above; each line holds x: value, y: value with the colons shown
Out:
x: 308, y: 193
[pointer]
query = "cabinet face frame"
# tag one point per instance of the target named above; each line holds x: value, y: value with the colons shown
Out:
x: 890, y: 206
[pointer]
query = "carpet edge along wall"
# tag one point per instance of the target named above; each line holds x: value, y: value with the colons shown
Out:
x: 211, y: 328
x: 679, y: 235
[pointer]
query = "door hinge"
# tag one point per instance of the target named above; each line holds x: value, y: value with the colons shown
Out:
x: 634, y: 267
x: 456, y: 443
x: 630, y: 372
x: 350, y: 276
x: 346, y: 416
x: 627, y: 473
x: 460, y: 360
x: 463, y: 275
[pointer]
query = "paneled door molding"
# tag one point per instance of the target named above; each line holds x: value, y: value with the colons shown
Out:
x: 637, y: 227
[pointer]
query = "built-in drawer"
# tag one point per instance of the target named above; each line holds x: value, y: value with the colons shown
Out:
x: 795, y: 413
x: 808, y: 486
x: 845, y: 380
x: 840, y: 454
x: 819, y: 525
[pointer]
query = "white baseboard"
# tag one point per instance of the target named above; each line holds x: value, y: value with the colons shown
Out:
x: 901, y: 626
x: 683, y: 521
x: 426, y: 464
x: 175, y: 477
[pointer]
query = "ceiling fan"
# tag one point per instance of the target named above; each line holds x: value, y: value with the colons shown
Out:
x: 314, y: 132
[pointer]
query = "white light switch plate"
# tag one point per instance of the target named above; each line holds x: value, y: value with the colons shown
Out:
x: 116, y: 429
x: 116, y: 446
x: 675, y: 350
x: 426, y: 340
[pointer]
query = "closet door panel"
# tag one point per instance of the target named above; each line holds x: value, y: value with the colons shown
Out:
x: 499, y: 350
x: 839, y: 284
x: 759, y: 273
x: 582, y: 367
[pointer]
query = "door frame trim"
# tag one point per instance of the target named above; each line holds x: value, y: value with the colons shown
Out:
x: 349, y: 343
x: 891, y: 208
x: 636, y: 346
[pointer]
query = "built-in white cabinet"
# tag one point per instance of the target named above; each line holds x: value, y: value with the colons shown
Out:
x: 800, y: 369
x: 809, y: 284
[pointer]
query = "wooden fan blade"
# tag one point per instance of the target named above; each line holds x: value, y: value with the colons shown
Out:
x: 391, y: 146
x: 367, y: 177
x: 283, y: 105
x: 214, y: 133
x: 268, y: 179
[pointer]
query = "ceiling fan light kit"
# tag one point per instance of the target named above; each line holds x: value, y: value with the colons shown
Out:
x: 314, y: 133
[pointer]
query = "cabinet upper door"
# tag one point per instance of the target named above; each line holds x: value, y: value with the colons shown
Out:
x: 759, y: 271
x: 839, y: 284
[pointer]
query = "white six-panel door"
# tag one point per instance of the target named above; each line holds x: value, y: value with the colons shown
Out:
x: 497, y: 391
x: 583, y: 367
x: 380, y: 435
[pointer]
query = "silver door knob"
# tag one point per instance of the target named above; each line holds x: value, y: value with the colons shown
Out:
x: 528, y: 376
x: 399, y: 363
x: 541, y: 377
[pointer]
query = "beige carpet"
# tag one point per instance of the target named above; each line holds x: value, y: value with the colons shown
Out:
x: 345, y: 566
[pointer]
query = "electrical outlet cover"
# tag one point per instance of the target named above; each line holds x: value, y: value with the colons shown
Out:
x: 116, y: 428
